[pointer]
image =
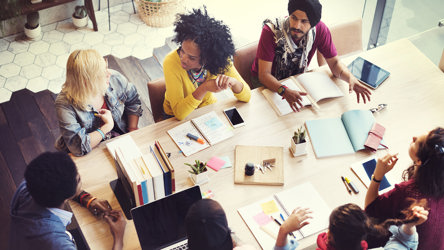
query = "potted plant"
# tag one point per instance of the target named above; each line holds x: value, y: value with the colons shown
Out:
x: 198, y: 172
x: 32, y: 26
x: 80, y: 16
x: 298, y: 142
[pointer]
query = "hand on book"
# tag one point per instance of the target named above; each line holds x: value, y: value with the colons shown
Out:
x: 360, y: 90
x: 384, y: 165
x: 294, y: 98
x: 297, y: 220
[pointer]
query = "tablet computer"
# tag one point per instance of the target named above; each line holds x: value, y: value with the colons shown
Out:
x: 368, y: 73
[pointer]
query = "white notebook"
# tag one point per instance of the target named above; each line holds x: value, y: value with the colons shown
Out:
x: 265, y: 230
x: 317, y: 85
x: 208, y: 127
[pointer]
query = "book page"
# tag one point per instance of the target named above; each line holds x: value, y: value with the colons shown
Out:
x: 329, y: 137
x: 186, y: 145
x: 306, y: 196
x: 212, y: 128
x: 280, y: 105
x: 358, y: 123
x: 259, y: 218
x: 319, y: 85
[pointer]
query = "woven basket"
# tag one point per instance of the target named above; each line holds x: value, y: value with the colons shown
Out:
x: 159, y: 14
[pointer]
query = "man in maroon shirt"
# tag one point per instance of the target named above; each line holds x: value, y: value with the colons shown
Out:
x: 287, y: 45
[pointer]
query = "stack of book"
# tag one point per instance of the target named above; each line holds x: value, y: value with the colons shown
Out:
x: 144, y: 177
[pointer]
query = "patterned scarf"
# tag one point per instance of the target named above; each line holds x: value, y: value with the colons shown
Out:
x: 197, y: 77
x: 290, y: 59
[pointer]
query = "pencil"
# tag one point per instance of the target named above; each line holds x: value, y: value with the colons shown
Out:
x: 346, y: 186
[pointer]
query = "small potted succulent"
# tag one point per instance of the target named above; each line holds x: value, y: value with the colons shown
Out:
x: 32, y: 26
x: 198, y: 172
x: 80, y: 16
x: 298, y: 142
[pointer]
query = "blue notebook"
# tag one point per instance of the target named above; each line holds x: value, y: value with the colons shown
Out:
x: 341, y: 135
x: 364, y: 170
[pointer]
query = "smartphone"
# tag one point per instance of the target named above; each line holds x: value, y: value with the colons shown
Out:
x: 234, y: 117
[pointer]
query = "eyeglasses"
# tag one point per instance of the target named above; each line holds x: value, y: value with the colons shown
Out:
x: 379, y: 108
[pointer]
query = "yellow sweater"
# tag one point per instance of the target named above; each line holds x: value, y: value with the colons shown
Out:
x: 179, y: 100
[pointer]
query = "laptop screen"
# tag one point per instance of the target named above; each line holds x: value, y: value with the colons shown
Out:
x: 162, y: 222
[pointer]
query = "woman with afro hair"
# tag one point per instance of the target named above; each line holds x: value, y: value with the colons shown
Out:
x: 201, y: 66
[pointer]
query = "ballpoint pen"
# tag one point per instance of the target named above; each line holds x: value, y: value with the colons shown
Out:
x: 352, y: 186
x: 282, y: 217
x: 346, y: 186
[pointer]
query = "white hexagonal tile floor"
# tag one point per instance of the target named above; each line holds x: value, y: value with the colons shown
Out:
x: 40, y: 64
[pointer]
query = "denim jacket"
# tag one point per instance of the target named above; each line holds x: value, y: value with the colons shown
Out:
x: 76, y: 124
x: 35, y: 227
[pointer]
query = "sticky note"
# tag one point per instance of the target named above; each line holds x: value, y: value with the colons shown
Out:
x: 269, y: 207
x: 262, y: 219
x: 227, y: 162
x: 215, y: 163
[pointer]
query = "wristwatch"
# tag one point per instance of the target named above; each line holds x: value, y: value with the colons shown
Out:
x: 281, y: 90
x: 375, y: 180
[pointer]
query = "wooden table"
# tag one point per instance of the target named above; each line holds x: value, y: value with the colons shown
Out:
x: 414, y: 93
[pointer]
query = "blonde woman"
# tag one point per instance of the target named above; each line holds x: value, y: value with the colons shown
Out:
x: 95, y: 103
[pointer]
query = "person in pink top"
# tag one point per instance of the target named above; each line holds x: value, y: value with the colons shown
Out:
x: 424, y: 179
x: 287, y: 45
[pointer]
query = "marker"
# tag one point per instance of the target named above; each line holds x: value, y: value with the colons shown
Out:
x: 345, y: 183
x: 282, y: 217
x: 195, y: 138
x: 352, y: 186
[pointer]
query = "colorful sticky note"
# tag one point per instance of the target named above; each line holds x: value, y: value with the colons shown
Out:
x: 269, y: 207
x: 215, y: 163
x: 262, y: 219
x: 227, y: 162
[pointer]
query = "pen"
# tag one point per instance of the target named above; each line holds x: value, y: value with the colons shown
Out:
x: 193, y: 137
x: 282, y: 217
x: 352, y: 186
x: 345, y: 183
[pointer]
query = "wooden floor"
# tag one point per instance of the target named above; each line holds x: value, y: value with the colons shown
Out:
x: 29, y: 126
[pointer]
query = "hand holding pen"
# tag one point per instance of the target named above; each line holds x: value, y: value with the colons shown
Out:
x: 297, y: 220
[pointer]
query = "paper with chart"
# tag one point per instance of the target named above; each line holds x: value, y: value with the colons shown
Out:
x: 186, y: 145
x: 260, y: 216
x: 317, y: 85
x: 212, y: 128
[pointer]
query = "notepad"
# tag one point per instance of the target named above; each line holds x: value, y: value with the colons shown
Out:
x: 215, y: 163
x: 284, y: 202
x: 342, y: 135
x: 317, y: 85
x: 209, y: 127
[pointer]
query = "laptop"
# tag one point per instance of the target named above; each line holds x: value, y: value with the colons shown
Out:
x: 368, y: 73
x: 161, y: 223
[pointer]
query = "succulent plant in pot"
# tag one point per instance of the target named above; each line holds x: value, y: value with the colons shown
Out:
x: 32, y: 26
x: 80, y: 16
x: 298, y: 142
x: 198, y: 172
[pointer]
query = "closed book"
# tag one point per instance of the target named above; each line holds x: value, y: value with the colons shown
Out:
x: 157, y: 174
x: 169, y: 165
x: 148, y: 180
x: 165, y: 170
x: 125, y: 178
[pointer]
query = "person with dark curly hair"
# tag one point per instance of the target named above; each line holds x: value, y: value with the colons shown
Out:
x: 201, y: 66
x: 286, y: 47
x: 38, y: 218
x: 423, y: 180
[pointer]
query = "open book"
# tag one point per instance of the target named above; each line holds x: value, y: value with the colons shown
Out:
x: 341, y: 135
x: 317, y: 85
x: 208, y: 127
x: 260, y: 216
